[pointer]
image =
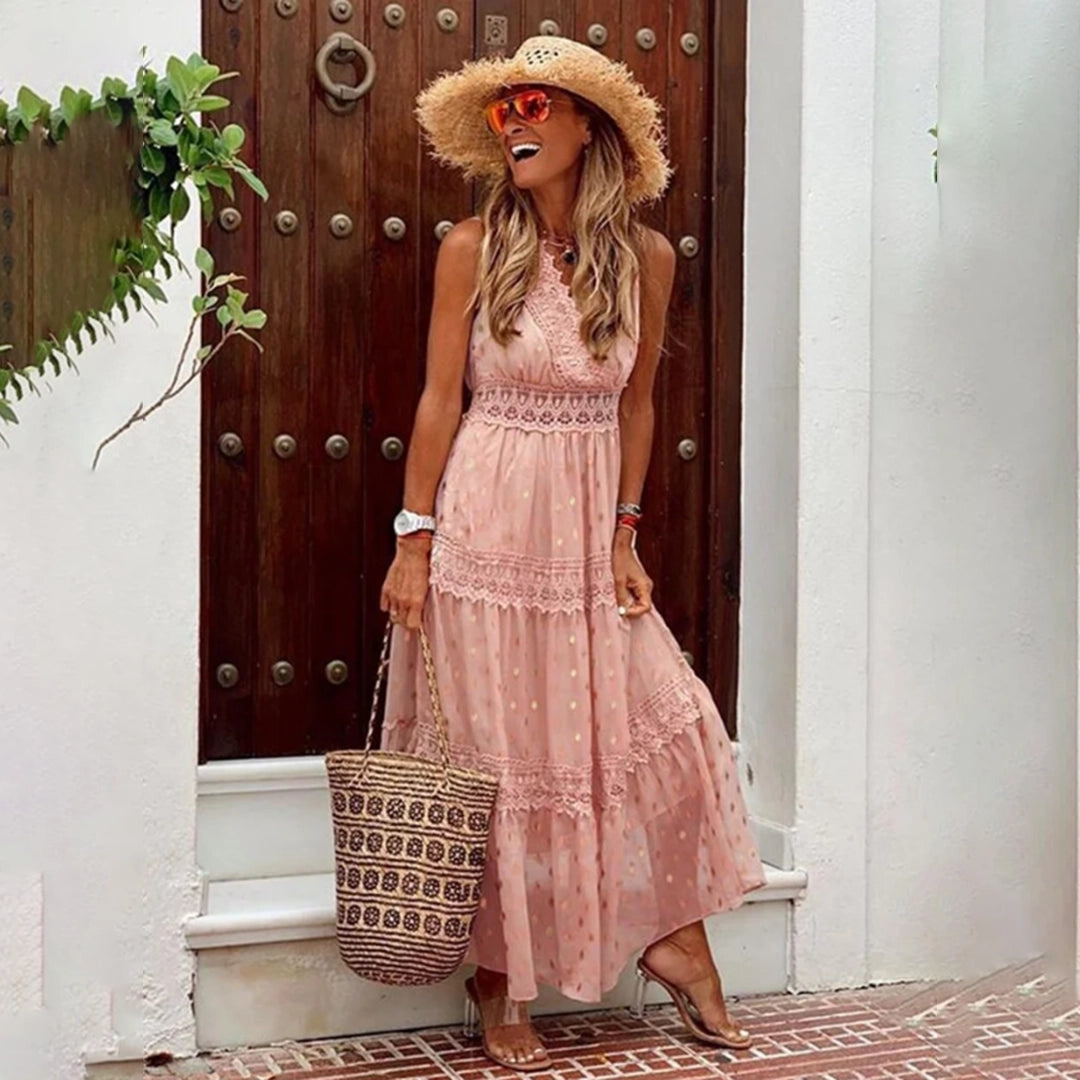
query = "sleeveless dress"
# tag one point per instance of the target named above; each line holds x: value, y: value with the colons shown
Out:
x: 620, y: 816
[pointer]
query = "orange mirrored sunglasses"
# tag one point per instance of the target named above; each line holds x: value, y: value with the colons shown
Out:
x: 533, y: 106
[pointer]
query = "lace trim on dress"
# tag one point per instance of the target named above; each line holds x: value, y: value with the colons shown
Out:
x: 508, y: 579
x: 577, y: 789
x: 535, y: 408
x: 554, y: 310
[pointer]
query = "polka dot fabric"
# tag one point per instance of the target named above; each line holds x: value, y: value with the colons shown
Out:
x: 619, y: 816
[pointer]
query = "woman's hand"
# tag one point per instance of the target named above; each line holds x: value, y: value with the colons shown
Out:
x: 406, y: 584
x: 633, y: 587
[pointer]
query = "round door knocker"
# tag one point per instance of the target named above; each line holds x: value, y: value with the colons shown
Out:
x: 287, y: 8
x: 687, y: 449
x: 596, y: 34
x: 394, y: 15
x: 442, y: 228
x: 690, y: 44
x: 392, y: 448
x: 447, y: 20
x: 341, y: 226
x: 286, y: 222
x: 282, y: 673
x: 284, y: 446
x: 230, y: 444
x: 549, y: 27
x: 229, y: 219
x: 341, y: 47
x: 232, y: 5
x: 341, y: 10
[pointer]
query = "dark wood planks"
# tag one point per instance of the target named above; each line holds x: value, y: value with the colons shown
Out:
x: 727, y: 169
x: 286, y: 153
x: 339, y: 351
x: 230, y: 396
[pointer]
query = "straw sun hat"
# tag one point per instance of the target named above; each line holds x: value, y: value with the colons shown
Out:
x: 450, y: 109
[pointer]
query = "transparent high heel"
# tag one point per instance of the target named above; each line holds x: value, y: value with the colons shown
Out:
x: 641, y: 983
x: 740, y: 1039
x: 502, y: 1014
x: 471, y: 1024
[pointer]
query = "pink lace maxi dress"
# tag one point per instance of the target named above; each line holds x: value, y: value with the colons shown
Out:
x: 620, y: 816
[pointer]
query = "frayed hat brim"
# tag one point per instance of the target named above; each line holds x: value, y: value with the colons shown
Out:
x: 450, y: 109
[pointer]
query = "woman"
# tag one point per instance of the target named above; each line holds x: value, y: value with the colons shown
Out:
x: 619, y: 822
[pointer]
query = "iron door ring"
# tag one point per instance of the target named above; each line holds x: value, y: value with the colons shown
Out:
x: 346, y: 43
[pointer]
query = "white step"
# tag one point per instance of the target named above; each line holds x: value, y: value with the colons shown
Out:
x: 268, y: 966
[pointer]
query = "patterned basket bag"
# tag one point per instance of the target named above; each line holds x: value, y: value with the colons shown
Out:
x: 410, y: 846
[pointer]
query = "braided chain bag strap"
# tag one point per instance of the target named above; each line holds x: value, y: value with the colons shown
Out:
x: 410, y: 846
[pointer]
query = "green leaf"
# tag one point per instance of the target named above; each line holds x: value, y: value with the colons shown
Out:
x: 205, y: 200
x: 253, y: 182
x: 163, y: 133
x: 233, y: 136
x: 30, y: 105
x: 113, y: 87
x: 205, y: 74
x: 224, y: 316
x: 179, y: 204
x: 114, y: 111
x: 159, y: 203
x: 7, y: 412
x: 255, y: 319
x: 180, y: 80
x: 152, y: 158
x: 152, y: 288
x: 204, y: 261
x: 210, y: 102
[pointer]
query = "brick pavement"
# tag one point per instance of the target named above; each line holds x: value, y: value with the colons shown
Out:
x: 1011, y: 1025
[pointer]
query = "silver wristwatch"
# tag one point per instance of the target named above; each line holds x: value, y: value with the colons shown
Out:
x: 407, y: 522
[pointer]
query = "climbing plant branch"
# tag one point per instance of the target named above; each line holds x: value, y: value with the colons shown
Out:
x: 175, y: 151
x: 232, y: 317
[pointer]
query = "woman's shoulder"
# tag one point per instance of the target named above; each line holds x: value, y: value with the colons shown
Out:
x: 465, y: 235
x: 658, y: 248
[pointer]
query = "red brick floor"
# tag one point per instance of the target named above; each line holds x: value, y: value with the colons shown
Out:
x: 1011, y: 1025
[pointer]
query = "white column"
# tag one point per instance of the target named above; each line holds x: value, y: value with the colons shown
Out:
x: 830, y: 928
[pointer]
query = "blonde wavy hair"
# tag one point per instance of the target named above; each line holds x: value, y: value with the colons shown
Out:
x: 611, y: 245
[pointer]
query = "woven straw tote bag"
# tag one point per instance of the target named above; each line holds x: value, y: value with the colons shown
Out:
x: 410, y: 846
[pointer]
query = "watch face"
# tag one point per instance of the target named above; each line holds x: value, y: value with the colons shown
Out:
x: 408, y: 522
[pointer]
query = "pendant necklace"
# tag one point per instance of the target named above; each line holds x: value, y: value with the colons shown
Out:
x: 566, y: 245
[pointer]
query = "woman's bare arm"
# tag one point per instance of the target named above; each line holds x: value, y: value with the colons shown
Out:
x: 636, y: 413
x: 439, y: 411
x: 437, y: 416
x: 633, y: 586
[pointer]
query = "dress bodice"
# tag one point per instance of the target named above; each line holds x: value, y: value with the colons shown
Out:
x: 548, y: 354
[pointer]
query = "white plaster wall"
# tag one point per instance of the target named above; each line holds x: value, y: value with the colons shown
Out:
x: 766, y: 722
x: 973, y: 474
x: 98, y: 635
x: 936, y: 679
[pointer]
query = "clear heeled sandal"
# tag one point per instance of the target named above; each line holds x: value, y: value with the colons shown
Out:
x: 485, y: 1016
x: 737, y: 1039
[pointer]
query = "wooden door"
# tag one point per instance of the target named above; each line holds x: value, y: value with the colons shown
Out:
x: 302, y: 462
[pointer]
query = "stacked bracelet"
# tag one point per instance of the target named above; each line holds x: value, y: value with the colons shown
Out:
x: 627, y: 516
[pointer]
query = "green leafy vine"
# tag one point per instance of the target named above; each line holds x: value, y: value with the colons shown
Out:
x: 176, y: 150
